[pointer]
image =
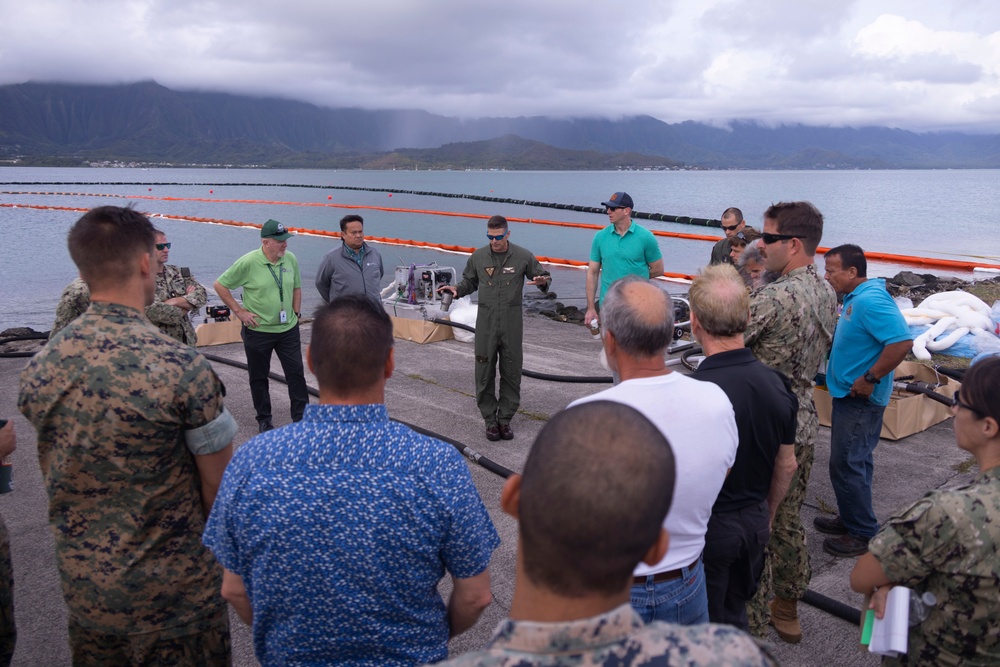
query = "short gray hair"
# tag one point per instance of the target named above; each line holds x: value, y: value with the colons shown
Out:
x: 635, y: 334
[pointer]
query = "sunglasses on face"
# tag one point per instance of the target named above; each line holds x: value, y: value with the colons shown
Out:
x: 774, y: 238
x: 163, y: 246
x: 958, y: 401
x: 730, y: 228
x: 500, y: 237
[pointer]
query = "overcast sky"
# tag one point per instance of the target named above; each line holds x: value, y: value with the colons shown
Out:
x: 915, y: 64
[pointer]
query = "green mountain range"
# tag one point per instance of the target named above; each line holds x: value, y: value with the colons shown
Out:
x: 145, y: 123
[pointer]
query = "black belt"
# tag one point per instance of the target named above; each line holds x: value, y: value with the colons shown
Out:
x: 669, y: 575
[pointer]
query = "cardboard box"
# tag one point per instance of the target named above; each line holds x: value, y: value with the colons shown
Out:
x: 906, y: 413
x: 420, y: 331
x: 219, y: 333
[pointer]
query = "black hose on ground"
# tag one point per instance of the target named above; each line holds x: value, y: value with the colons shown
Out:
x: 832, y: 607
x: 466, y: 451
x: 582, y: 379
x: 35, y: 335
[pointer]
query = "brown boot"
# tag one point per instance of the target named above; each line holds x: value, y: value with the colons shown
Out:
x: 785, y: 619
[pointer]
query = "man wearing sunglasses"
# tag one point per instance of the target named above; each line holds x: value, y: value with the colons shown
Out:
x: 732, y: 224
x: 177, y: 294
x: 498, y: 271
x: 621, y: 249
x: 871, y: 340
x: 791, y: 327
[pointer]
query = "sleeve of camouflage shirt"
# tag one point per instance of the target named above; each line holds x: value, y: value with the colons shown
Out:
x: 764, y: 311
x: 915, y: 542
x: 208, y: 426
x: 197, y: 297
x: 161, y: 313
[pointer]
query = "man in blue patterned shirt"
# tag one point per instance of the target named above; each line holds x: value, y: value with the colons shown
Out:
x: 587, y: 514
x: 335, y: 531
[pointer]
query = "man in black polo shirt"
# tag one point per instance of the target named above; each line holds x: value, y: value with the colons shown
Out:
x: 765, y: 410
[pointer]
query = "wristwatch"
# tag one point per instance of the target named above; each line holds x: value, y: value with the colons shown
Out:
x: 870, y: 378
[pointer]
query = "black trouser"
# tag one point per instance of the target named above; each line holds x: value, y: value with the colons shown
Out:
x: 258, y: 346
x: 734, y: 561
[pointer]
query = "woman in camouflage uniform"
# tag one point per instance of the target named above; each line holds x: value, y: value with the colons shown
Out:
x: 948, y: 543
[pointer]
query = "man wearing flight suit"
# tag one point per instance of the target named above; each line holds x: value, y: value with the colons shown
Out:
x: 498, y: 271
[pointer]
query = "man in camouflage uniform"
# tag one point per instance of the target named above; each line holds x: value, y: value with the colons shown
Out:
x: 73, y: 302
x: 177, y: 294
x: 498, y: 271
x: 133, y: 439
x: 791, y: 328
x: 571, y: 604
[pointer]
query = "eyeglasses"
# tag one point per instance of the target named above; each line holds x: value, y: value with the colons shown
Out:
x: 491, y: 237
x: 730, y: 228
x: 769, y: 238
x: 958, y: 402
x: 163, y: 246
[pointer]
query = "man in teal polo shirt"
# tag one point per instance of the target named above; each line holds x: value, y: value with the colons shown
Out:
x: 621, y: 249
x: 870, y: 340
x: 272, y: 296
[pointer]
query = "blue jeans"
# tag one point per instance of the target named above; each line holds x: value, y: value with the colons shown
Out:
x: 683, y: 600
x: 855, y: 424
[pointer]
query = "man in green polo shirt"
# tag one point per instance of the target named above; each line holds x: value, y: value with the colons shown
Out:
x: 272, y: 296
x: 621, y: 249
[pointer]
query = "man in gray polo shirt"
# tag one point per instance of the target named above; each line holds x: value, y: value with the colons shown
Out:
x: 353, y: 268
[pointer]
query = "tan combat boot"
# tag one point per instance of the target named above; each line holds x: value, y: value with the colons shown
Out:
x: 785, y: 619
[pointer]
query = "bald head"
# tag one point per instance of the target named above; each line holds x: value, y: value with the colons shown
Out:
x: 720, y: 301
x: 590, y: 512
x: 640, y: 316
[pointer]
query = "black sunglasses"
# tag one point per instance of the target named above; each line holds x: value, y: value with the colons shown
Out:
x: 958, y: 401
x: 730, y: 228
x: 769, y: 238
x: 163, y: 246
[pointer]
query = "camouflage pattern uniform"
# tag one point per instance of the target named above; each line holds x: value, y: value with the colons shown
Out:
x: 119, y: 408
x: 73, y: 302
x: 948, y: 543
x: 171, y: 320
x: 791, y: 329
x: 617, y: 638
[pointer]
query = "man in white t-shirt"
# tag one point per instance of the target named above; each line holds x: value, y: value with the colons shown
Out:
x: 698, y: 420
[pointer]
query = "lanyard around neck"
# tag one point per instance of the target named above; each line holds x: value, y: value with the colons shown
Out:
x: 279, y: 280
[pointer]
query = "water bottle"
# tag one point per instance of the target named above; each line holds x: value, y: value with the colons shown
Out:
x: 920, y: 606
x: 595, y: 329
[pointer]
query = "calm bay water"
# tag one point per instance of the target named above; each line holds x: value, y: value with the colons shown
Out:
x: 927, y: 213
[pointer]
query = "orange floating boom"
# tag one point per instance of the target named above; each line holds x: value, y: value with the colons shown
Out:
x: 909, y: 260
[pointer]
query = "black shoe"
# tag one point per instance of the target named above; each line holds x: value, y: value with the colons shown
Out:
x: 846, y: 546
x: 265, y: 425
x: 830, y: 525
x: 493, y: 432
x: 505, y: 432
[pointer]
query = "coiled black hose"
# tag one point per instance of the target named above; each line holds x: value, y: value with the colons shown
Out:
x: 581, y: 379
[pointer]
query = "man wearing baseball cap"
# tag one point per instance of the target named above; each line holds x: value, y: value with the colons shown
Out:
x: 621, y: 249
x: 272, y: 297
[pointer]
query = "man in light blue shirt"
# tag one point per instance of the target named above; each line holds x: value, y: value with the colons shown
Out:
x: 871, y: 339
